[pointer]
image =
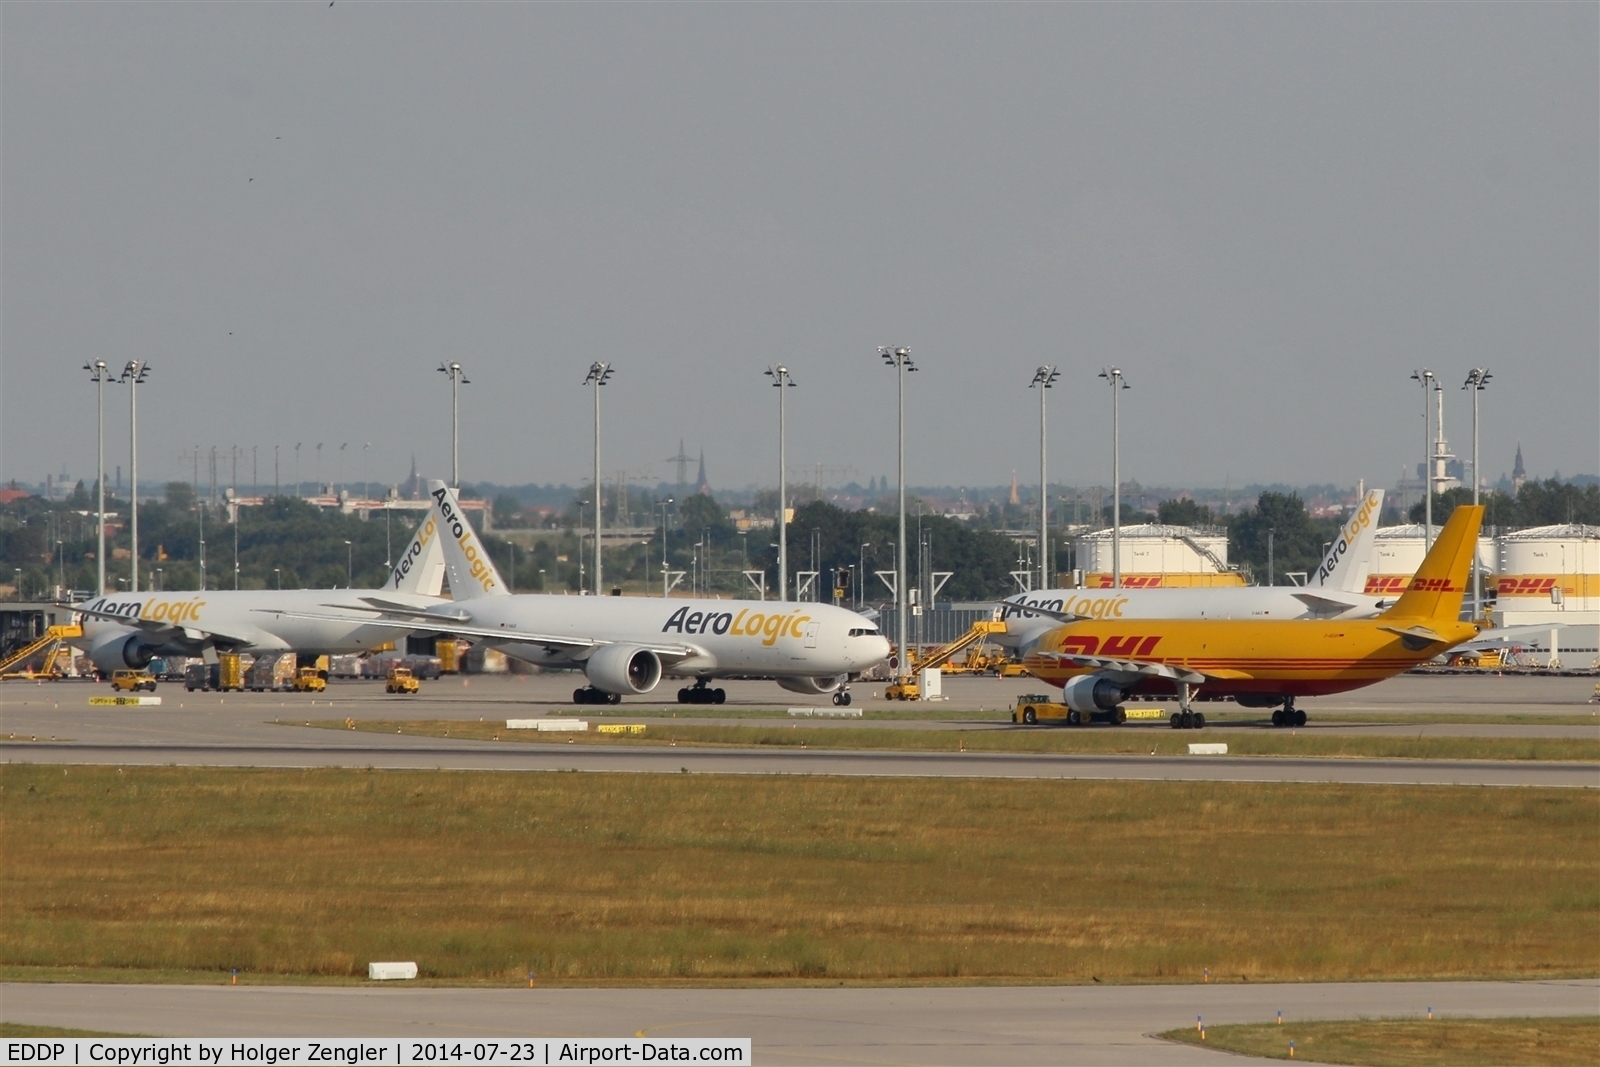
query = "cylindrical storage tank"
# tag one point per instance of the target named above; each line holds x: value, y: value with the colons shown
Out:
x: 1154, y: 555
x: 1548, y: 574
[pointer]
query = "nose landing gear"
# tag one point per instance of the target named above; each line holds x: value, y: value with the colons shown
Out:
x: 841, y: 699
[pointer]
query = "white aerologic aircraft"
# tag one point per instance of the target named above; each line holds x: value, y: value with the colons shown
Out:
x: 1334, y: 590
x: 626, y: 645
x: 129, y: 629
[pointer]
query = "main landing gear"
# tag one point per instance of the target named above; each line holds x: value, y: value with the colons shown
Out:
x: 841, y: 699
x: 1288, y: 715
x: 590, y: 695
x: 1186, y: 718
x: 700, y: 693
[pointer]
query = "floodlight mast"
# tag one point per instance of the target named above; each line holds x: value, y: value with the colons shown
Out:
x: 134, y: 374
x: 1477, y: 382
x: 900, y: 360
x: 599, y: 373
x: 99, y: 373
x: 458, y: 378
x: 781, y: 381
x: 1425, y: 378
x: 1113, y: 377
x: 1043, y: 379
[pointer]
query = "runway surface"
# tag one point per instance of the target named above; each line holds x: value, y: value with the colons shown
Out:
x: 55, y: 724
x: 1065, y: 1025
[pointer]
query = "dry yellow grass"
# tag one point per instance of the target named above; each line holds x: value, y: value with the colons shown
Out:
x: 1558, y: 1042
x: 592, y: 878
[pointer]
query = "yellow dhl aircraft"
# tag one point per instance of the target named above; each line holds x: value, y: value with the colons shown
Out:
x: 1262, y: 664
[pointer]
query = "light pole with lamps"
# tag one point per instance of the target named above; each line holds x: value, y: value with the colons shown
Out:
x: 782, y: 380
x: 664, y: 505
x: 349, y: 565
x: 134, y: 374
x: 457, y: 378
x: 1113, y: 375
x: 1477, y: 382
x: 598, y: 375
x: 861, y: 560
x: 900, y: 360
x: 99, y: 373
x: 1425, y: 378
x: 1043, y: 379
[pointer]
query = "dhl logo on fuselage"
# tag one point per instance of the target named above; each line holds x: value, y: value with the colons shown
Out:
x: 1094, y: 607
x: 1433, y: 585
x: 176, y: 612
x: 1114, y: 645
x: 414, y: 550
x: 461, y: 530
x: 1378, y: 584
x: 767, y: 627
x: 1358, y: 522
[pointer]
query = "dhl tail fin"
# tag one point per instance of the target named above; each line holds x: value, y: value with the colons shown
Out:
x: 1440, y: 583
x: 472, y: 573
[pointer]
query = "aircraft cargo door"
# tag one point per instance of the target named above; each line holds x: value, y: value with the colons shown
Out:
x: 811, y: 634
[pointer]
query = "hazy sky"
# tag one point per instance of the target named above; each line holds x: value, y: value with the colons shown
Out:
x: 1267, y: 214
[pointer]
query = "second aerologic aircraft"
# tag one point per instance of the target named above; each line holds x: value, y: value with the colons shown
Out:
x: 626, y: 645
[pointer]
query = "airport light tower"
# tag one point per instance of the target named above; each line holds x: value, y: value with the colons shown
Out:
x: 1477, y: 382
x: 599, y: 373
x: 1113, y: 376
x: 900, y: 360
x: 458, y: 378
x: 782, y: 382
x: 1043, y: 379
x: 1425, y: 378
x: 134, y: 374
x: 99, y: 373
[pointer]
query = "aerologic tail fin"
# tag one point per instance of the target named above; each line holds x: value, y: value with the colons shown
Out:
x: 472, y: 573
x: 420, y: 568
x: 1348, y: 561
x: 1439, y: 584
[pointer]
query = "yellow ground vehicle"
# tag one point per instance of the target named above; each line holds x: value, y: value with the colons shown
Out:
x: 401, y: 680
x: 309, y: 680
x: 905, y: 686
x: 133, y: 681
x: 54, y: 653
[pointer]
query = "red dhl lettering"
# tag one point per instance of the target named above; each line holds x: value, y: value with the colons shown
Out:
x: 1384, y: 583
x: 1130, y: 581
x: 1526, y: 586
x: 1432, y: 585
x: 1114, y: 645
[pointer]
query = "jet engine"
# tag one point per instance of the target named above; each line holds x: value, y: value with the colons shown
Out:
x: 814, y: 687
x: 623, y: 669
x: 120, y: 652
x: 1091, y: 693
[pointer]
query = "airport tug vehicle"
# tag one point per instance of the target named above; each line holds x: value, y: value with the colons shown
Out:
x: 401, y: 680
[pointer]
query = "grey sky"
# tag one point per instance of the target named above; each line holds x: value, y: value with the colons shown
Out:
x: 1266, y: 214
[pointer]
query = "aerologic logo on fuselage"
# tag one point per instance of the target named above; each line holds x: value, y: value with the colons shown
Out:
x: 1094, y: 607
x: 176, y: 612
x: 767, y: 627
x: 1358, y: 522
x: 462, y: 532
x: 414, y: 551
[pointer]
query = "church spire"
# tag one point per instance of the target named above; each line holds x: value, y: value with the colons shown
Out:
x: 701, y: 486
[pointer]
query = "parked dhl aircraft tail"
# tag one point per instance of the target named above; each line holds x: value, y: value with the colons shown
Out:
x: 1262, y: 664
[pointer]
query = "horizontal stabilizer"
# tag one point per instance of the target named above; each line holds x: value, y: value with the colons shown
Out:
x: 1321, y: 606
x: 1416, y: 638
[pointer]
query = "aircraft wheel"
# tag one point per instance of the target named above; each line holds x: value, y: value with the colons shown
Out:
x: 580, y: 697
x: 718, y: 696
x: 1299, y: 717
x: 1074, y: 718
x: 613, y: 698
x: 1277, y: 716
x: 1177, y: 720
x: 683, y: 695
x: 1029, y: 716
x: 1187, y: 720
x: 1119, y: 716
x: 1199, y: 720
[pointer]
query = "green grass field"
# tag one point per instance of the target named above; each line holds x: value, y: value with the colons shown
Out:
x: 593, y: 878
x: 1531, y: 1042
x: 1046, y: 739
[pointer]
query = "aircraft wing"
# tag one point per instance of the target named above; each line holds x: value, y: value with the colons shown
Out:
x: 419, y: 620
x: 1131, y: 670
x: 160, y: 630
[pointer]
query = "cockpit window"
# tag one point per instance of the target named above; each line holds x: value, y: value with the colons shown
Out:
x: 865, y: 631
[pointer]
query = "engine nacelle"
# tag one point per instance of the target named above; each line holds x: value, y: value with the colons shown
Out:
x: 1091, y: 693
x: 121, y: 653
x: 813, y: 687
x: 623, y: 669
